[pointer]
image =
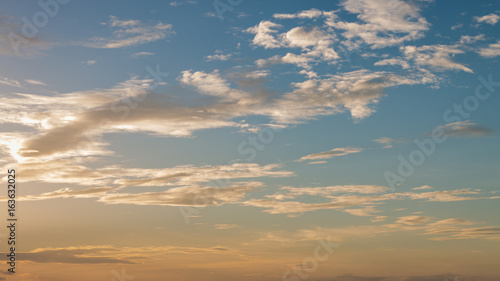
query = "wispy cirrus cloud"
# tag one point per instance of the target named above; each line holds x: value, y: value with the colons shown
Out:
x: 75, y: 255
x: 35, y: 82
x: 194, y: 195
x: 128, y: 33
x: 464, y: 129
x: 279, y: 202
x: 9, y: 82
x: 180, y: 3
x: 447, y: 229
x: 341, y: 151
x: 141, y: 54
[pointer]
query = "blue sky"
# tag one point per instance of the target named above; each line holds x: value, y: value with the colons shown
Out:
x: 269, y: 123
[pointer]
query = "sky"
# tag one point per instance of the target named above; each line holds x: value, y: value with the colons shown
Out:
x: 352, y: 140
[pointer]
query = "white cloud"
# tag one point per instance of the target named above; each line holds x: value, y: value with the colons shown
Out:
x: 185, y: 196
x: 278, y: 204
x: 264, y: 34
x: 489, y: 19
x: 384, y: 23
x: 387, y: 142
x: 223, y: 226
x: 9, y: 82
x: 354, y: 91
x: 141, y: 54
x: 129, y: 33
x: 493, y: 50
x: 90, y: 114
x: 89, y: 62
x: 466, y: 39
x: 179, y: 3
x: 413, y: 220
x: 435, y: 56
x: 341, y: 151
x: 211, y: 84
x: 423, y: 187
x: 35, y: 82
x: 307, y: 14
x: 464, y: 129
x: 393, y: 61
x: 219, y: 55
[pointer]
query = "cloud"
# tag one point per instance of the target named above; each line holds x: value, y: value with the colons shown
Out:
x: 382, y: 23
x: 464, y: 129
x: 393, y: 61
x: 317, y: 162
x: 445, y: 196
x: 185, y: 196
x: 16, y: 43
x: 218, y: 56
x: 74, y: 255
x: 184, y: 182
x: 68, y: 193
x: 264, y: 34
x: 379, y: 219
x: 338, y: 234
x: 89, y: 62
x: 328, y: 191
x: 114, y: 255
x: 316, y: 44
x: 291, y: 207
x: 187, y: 175
x: 78, y: 171
x: 354, y: 91
x: 387, y: 142
x: 35, y: 82
x: 466, y: 39
x: 493, y: 50
x: 413, y: 220
x: 455, y: 228
x: 363, y: 212
x: 277, y: 203
x: 489, y: 19
x: 9, y: 82
x: 141, y: 54
x: 435, y: 56
x: 423, y: 187
x: 179, y: 3
x: 212, y: 84
x: 72, y: 124
x: 341, y: 151
x: 307, y: 14
x: 129, y: 33
x: 446, y: 229
x: 222, y: 226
